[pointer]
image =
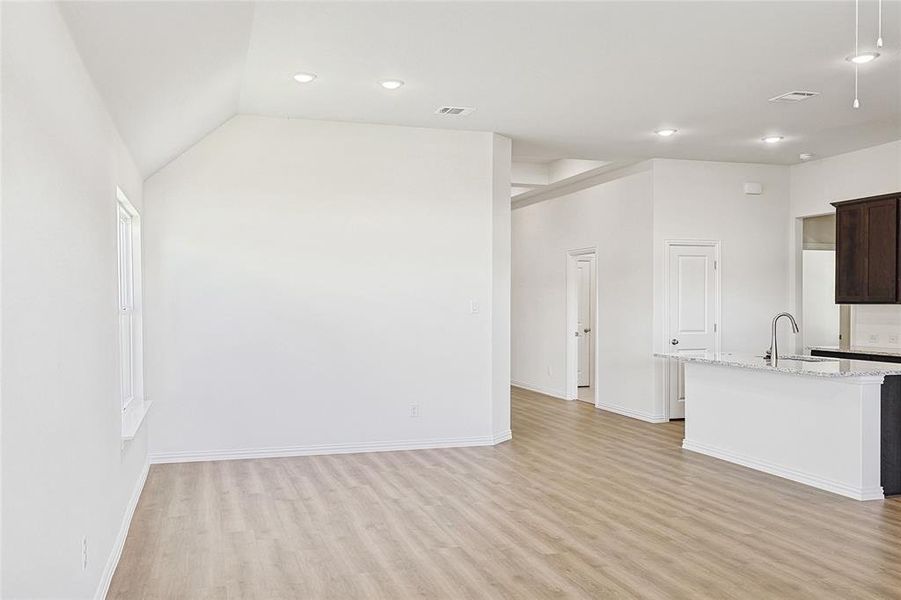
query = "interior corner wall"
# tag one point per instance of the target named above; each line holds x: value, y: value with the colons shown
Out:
x: 501, y: 161
x: 308, y: 283
x: 616, y: 218
x: 67, y: 476
x: 814, y: 186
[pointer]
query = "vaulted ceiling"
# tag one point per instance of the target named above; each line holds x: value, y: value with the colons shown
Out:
x: 577, y: 80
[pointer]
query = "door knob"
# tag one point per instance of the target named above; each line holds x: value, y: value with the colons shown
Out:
x: 577, y: 334
x: 586, y: 330
x: 674, y: 342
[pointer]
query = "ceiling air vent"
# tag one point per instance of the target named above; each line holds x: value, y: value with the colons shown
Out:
x: 461, y: 111
x: 795, y: 96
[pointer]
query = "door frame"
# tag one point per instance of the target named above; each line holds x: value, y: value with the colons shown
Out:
x: 797, y: 284
x: 669, y: 374
x: 571, y: 291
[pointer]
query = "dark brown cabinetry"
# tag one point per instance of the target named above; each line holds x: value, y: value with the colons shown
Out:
x: 867, y: 251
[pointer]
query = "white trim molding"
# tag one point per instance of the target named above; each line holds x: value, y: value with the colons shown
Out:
x: 320, y: 449
x: 116, y: 553
x: 590, y: 178
x: 133, y: 417
x: 502, y: 436
x: 836, y: 487
x: 540, y: 390
x: 571, y: 342
x: 631, y: 412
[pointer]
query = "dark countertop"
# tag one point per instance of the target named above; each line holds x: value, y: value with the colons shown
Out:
x: 859, y: 350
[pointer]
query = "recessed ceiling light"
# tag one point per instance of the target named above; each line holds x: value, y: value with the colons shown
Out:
x: 391, y: 84
x: 304, y: 77
x: 862, y: 58
x: 773, y: 139
x: 806, y: 156
x: 666, y: 132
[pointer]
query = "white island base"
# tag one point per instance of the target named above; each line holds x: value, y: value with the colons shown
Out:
x: 820, y: 431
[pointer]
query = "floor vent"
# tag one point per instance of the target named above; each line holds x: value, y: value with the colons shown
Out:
x: 460, y: 111
x: 795, y: 96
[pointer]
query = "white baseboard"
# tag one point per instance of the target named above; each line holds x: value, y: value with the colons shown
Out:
x: 290, y: 451
x: 539, y: 389
x: 113, y: 561
x: 631, y: 412
x: 836, y: 487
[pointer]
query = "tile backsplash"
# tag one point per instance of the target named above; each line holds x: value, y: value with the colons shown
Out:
x: 876, y: 326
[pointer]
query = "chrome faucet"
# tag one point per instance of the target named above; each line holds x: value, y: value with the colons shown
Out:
x: 773, y: 353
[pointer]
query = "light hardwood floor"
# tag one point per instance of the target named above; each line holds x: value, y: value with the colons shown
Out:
x: 581, y: 503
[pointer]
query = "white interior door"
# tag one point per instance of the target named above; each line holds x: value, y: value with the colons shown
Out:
x: 584, y: 332
x: 692, y: 312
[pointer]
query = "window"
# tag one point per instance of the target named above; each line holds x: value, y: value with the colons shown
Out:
x: 129, y: 307
x: 126, y: 308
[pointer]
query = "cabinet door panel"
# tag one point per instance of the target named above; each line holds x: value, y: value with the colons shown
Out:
x: 882, y: 250
x: 851, y: 256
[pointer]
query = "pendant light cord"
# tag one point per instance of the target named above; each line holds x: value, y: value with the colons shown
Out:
x: 879, y: 38
x: 856, y: 103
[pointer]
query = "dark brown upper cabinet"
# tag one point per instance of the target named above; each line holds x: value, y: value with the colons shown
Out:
x: 868, y: 254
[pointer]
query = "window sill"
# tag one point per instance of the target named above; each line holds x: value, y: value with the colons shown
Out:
x: 133, y: 418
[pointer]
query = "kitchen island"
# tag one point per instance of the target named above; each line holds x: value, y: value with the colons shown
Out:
x: 811, y: 420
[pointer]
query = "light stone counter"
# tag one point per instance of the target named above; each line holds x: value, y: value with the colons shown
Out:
x: 811, y: 365
x: 817, y: 423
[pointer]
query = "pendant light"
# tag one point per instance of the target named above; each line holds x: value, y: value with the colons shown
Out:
x: 879, y: 38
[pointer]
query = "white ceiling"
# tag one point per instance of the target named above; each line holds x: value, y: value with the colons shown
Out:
x: 169, y: 72
x: 564, y: 80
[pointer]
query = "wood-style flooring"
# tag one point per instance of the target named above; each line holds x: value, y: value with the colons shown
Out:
x: 580, y: 504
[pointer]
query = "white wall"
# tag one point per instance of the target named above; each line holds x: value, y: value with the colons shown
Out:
x: 859, y: 174
x: 565, y: 168
x: 615, y: 218
x: 66, y: 472
x: 501, y: 156
x: 705, y: 200
x: 814, y: 185
x: 629, y: 220
x: 308, y: 281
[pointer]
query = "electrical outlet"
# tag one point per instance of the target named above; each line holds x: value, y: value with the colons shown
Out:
x: 893, y: 339
x: 474, y: 307
x: 414, y: 410
x: 84, y: 554
x: 874, y: 338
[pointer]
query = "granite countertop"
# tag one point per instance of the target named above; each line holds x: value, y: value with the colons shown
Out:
x: 820, y: 367
x: 859, y: 350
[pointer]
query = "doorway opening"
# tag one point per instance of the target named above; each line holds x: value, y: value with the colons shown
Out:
x: 581, y: 330
x: 692, y: 310
x: 824, y: 323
